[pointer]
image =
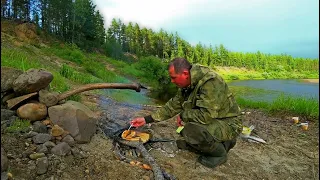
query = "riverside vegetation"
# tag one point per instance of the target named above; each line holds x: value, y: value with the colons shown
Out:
x: 72, y: 66
x: 25, y: 46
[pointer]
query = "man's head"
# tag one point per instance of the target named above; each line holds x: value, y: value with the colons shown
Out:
x: 179, y: 71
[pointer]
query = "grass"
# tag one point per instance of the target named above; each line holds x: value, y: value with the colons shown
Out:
x: 234, y: 73
x: 18, y: 59
x: 19, y: 125
x: 307, y: 107
x: 66, y: 51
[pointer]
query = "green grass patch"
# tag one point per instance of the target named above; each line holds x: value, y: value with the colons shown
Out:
x: 19, y: 125
x: 84, y: 78
x: 68, y: 52
x: 307, y: 107
x: 18, y: 59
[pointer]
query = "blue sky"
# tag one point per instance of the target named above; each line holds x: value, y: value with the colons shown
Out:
x: 270, y: 26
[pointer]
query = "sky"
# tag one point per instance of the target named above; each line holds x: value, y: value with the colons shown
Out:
x: 268, y: 26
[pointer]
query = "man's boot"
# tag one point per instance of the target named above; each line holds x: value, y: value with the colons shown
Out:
x: 215, y: 158
x: 229, y: 144
x: 182, y: 144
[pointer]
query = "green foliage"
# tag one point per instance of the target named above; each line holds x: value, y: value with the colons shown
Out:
x: 59, y: 83
x: 17, y: 59
x: 18, y: 125
x: 75, y: 97
x: 99, y: 70
x: 153, y: 69
x: 307, y: 107
x: 68, y: 52
x: 233, y: 77
x: 68, y: 72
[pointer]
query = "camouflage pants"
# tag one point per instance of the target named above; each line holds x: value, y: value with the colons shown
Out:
x: 206, y: 138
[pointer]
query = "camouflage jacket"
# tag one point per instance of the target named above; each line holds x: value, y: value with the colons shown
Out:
x: 207, y: 98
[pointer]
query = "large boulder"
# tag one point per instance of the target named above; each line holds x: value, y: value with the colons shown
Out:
x: 8, y: 76
x: 31, y: 81
x: 75, y: 118
x: 32, y: 111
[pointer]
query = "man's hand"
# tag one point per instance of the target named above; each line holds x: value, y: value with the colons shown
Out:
x: 179, y: 122
x: 137, y: 122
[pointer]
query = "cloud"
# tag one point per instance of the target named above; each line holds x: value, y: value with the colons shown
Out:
x: 152, y: 14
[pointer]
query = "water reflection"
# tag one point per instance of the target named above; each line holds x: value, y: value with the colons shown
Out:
x: 288, y: 87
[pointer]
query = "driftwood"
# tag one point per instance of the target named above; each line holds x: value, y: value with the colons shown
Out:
x: 13, y: 103
x: 158, y: 173
x: 51, y: 99
x: 155, y: 168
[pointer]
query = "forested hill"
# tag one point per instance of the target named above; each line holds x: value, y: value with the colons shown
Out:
x: 78, y: 22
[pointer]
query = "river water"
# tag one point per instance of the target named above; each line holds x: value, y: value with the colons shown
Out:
x: 273, y: 88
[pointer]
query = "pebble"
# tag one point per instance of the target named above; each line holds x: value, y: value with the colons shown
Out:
x: 36, y: 155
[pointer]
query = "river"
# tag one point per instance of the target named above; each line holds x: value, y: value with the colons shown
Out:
x: 270, y: 89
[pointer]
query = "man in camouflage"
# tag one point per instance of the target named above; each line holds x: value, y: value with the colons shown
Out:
x: 207, y: 108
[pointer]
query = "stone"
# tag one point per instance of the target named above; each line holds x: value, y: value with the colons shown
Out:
x: 41, y: 138
x: 48, y: 98
x: 32, y: 111
x: 61, y: 149
x: 36, y: 155
x: 47, y: 122
x: 8, y: 76
x: 6, y: 114
x: 42, y: 149
x: 6, y: 97
x: 39, y: 127
x: 31, y: 81
x: 42, y: 165
x: 56, y: 130
x: 68, y: 139
x: 49, y: 144
x: 75, y: 118
x: 4, y: 160
x: 30, y: 134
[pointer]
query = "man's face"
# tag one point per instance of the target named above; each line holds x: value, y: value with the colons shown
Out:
x: 182, y: 80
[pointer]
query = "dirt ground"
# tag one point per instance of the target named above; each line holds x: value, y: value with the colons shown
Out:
x: 290, y: 152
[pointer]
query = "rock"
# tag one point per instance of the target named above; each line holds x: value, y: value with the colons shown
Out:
x: 52, y: 178
x: 49, y: 144
x: 75, y: 118
x: 4, y: 176
x: 30, y: 134
x: 42, y: 149
x: 56, y: 130
x: 42, y: 165
x: 36, y: 155
x: 41, y: 138
x: 6, y: 97
x: 4, y: 160
x: 39, y: 127
x: 78, y: 154
x: 61, y: 149
x: 8, y: 76
x: 47, y: 122
x: 27, y: 153
x: 6, y: 114
x: 31, y: 81
x: 32, y: 111
x: 68, y: 139
x: 48, y: 98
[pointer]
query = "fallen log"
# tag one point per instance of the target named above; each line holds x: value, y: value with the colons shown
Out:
x: 52, y: 98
